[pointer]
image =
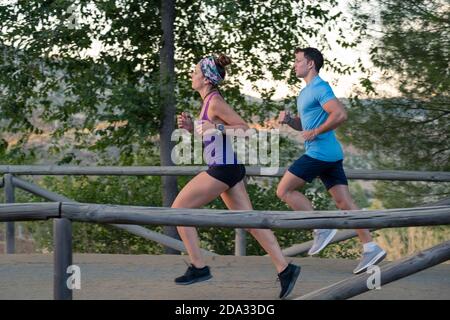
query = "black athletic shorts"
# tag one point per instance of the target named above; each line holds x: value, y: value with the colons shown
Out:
x: 331, y: 173
x: 229, y: 174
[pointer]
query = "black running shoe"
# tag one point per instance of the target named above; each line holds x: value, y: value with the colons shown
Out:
x: 287, y: 279
x: 193, y: 275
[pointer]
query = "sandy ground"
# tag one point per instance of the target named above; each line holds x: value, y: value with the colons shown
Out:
x: 29, y: 276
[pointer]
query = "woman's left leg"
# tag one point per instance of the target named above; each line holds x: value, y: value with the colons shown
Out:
x: 237, y: 198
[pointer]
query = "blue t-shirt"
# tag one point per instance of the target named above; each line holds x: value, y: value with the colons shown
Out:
x: 310, y: 103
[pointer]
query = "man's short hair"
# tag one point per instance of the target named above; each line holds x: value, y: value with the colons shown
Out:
x: 312, y: 54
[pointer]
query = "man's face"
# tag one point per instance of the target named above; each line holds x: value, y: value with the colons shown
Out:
x: 302, y: 65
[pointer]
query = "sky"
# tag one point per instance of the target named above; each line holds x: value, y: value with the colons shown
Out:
x: 343, y: 85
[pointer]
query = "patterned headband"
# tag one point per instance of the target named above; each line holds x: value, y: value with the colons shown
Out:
x: 209, y: 69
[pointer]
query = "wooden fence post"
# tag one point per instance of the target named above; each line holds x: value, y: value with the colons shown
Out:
x: 62, y: 257
x: 10, y: 226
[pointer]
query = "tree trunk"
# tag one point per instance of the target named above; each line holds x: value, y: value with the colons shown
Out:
x: 167, y: 95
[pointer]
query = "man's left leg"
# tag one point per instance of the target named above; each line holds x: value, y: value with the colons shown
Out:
x: 372, y: 253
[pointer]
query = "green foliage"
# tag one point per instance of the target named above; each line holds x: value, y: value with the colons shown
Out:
x: 51, y: 83
x: 401, y: 242
x: 359, y: 195
x: 348, y: 249
x: 409, y: 131
x: 394, y: 193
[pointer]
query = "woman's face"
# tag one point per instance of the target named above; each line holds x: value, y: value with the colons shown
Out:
x: 198, y: 79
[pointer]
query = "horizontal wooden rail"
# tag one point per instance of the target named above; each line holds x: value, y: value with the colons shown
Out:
x: 343, y: 235
x: 393, y: 271
x: 133, y: 229
x: 29, y: 211
x: 396, y: 175
x: 258, y: 219
x: 356, y: 219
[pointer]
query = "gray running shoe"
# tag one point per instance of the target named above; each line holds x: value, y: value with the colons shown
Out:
x: 322, y: 237
x: 370, y: 258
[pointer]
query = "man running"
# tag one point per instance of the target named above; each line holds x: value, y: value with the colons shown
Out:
x: 320, y: 113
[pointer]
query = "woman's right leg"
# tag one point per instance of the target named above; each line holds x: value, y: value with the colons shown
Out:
x: 201, y: 190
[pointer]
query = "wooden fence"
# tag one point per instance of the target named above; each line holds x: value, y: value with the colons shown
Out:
x: 63, y: 211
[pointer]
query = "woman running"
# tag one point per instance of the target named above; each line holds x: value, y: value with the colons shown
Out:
x: 224, y: 177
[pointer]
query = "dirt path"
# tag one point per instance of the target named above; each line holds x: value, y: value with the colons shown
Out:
x: 29, y: 276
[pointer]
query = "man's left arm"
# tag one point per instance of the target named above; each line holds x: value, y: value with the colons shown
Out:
x: 336, y: 116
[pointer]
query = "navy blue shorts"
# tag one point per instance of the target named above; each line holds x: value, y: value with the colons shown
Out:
x: 229, y: 174
x: 307, y: 168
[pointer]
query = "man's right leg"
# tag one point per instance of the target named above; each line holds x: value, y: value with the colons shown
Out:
x: 287, y: 192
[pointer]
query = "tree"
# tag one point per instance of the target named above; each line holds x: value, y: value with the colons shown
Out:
x: 410, y: 130
x: 121, y: 96
x: 167, y: 86
x: 114, y: 95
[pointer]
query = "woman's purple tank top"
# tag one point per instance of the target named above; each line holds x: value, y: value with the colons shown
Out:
x: 216, y: 146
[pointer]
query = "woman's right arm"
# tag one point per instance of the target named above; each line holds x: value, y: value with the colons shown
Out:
x: 184, y: 121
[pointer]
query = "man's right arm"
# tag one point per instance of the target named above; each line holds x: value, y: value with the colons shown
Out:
x: 293, y: 122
